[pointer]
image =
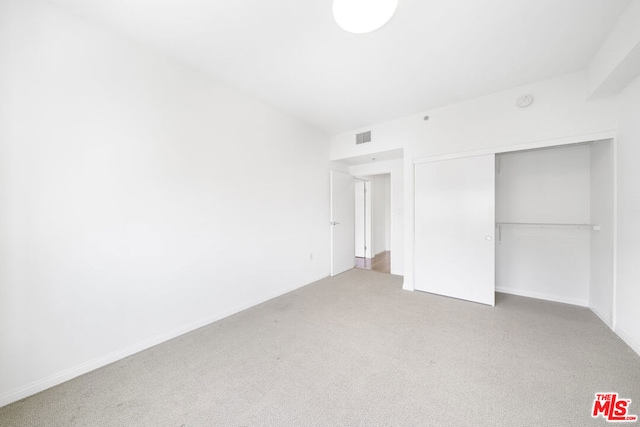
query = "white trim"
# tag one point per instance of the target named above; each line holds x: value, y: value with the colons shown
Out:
x: 83, y: 368
x: 614, y: 297
x: 331, y: 254
x: 635, y: 346
x: 409, y: 283
x: 382, y: 172
x: 368, y: 217
x: 576, y: 139
x: 543, y: 296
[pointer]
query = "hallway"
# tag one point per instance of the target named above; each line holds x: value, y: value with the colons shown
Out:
x: 380, y: 263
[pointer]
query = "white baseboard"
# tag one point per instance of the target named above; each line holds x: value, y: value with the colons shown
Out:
x: 635, y: 345
x: 543, y: 296
x: 605, y: 319
x: 83, y: 368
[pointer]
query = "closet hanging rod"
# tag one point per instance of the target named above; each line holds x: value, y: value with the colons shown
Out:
x: 499, y: 225
x: 542, y: 224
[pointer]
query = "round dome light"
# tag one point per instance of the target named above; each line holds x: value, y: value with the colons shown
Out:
x: 363, y: 16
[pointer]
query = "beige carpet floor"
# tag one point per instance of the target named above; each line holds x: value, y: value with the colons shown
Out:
x: 356, y: 350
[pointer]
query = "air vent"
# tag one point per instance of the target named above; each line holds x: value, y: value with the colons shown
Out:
x: 363, y: 137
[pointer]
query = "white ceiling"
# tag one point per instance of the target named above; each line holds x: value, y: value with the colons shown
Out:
x: 291, y: 54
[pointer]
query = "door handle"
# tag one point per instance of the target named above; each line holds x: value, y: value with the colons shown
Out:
x: 334, y: 223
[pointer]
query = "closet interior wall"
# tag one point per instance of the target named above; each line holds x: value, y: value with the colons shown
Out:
x: 602, y: 172
x: 547, y: 204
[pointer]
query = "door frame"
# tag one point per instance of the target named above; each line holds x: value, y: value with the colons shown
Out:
x: 361, y: 216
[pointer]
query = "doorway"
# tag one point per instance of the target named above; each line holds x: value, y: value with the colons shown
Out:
x: 373, y: 222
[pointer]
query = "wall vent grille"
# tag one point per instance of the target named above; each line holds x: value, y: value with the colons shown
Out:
x: 363, y: 137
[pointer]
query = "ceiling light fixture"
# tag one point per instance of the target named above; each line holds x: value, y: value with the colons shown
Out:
x: 363, y: 16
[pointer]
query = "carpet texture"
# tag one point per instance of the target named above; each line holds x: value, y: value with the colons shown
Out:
x: 357, y: 350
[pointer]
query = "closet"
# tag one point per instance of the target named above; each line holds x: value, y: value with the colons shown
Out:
x: 552, y: 233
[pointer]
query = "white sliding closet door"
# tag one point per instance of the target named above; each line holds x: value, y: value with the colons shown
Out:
x: 454, y: 228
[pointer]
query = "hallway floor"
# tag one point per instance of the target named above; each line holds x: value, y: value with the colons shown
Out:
x: 380, y: 263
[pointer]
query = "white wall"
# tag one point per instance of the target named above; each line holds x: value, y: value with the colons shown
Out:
x: 385, y: 137
x: 135, y: 194
x: 381, y: 204
x: 544, y: 186
x: 627, y: 298
x: 602, y: 241
x: 617, y: 62
x: 560, y: 110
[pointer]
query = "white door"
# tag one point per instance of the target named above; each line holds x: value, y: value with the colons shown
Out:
x: 454, y: 228
x: 360, y: 241
x: 342, y: 222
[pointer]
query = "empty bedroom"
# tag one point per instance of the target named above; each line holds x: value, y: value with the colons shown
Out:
x: 327, y: 213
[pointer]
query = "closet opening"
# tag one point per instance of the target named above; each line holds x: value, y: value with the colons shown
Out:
x: 554, y: 224
x: 537, y: 223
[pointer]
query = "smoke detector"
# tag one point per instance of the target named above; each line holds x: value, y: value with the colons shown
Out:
x: 524, y: 101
